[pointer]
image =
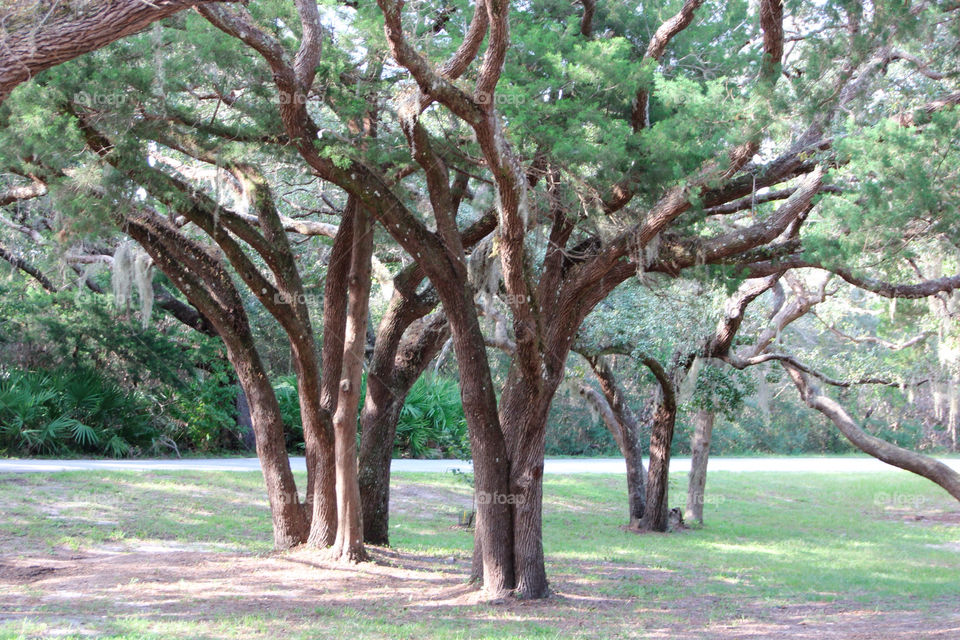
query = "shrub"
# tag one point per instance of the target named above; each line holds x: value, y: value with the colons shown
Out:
x: 432, y: 423
x: 71, y: 410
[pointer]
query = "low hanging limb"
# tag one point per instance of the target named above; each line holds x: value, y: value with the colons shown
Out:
x: 928, y: 467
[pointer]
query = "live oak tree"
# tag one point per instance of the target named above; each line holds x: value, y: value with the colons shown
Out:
x: 610, y: 141
x: 37, y: 34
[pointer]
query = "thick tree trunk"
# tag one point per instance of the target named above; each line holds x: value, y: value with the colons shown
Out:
x: 661, y: 437
x: 703, y: 430
x: 378, y: 428
x: 927, y: 467
x: 493, y: 528
x: 524, y: 408
x: 349, y: 542
x: 290, y: 526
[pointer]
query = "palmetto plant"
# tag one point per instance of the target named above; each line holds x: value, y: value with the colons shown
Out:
x: 68, y: 410
x: 431, y: 422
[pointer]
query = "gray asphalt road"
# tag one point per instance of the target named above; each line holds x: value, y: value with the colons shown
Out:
x: 583, y: 465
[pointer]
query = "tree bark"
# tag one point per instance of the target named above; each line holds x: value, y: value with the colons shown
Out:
x: 623, y: 425
x: 323, y: 526
x: 349, y: 542
x: 493, y: 529
x: 661, y: 437
x: 393, y: 370
x: 47, y: 40
x: 703, y: 430
x: 524, y: 408
x: 208, y: 286
x: 290, y: 526
x: 927, y: 467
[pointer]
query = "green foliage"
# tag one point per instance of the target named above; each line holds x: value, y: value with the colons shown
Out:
x: 207, y: 407
x: 70, y: 410
x: 432, y: 423
x: 289, y: 401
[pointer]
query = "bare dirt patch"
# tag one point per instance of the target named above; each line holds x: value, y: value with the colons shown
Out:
x: 187, y: 585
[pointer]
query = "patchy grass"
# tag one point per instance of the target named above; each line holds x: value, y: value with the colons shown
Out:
x: 187, y: 554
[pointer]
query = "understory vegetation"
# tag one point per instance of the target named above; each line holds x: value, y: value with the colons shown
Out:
x: 81, y: 376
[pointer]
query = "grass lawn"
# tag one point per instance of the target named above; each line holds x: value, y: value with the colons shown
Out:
x: 187, y: 554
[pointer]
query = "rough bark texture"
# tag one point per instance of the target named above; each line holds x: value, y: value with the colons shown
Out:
x: 703, y: 430
x: 523, y: 413
x: 349, y: 542
x: 208, y: 287
x: 45, y: 39
x: 393, y: 370
x: 323, y: 528
x: 661, y: 436
x: 288, y: 306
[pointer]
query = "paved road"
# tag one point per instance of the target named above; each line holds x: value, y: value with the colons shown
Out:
x: 582, y: 465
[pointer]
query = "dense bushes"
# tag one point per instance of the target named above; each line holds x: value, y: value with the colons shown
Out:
x: 71, y: 410
x: 431, y: 423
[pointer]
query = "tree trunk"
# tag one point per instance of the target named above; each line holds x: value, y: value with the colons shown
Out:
x: 661, y: 436
x: 290, y: 527
x: 396, y: 364
x: 524, y: 408
x: 703, y: 430
x: 323, y: 530
x: 209, y: 288
x: 623, y: 425
x: 378, y: 430
x: 320, y: 443
x: 493, y: 528
x: 636, y: 478
x: 349, y: 542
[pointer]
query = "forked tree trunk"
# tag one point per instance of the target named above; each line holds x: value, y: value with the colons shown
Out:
x: 394, y: 368
x: 625, y: 428
x: 207, y: 285
x: 349, y: 541
x: 700, y: 452
x: 323, y: 531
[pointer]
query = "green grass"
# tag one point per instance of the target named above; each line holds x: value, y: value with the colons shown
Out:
x: 831, y: 541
